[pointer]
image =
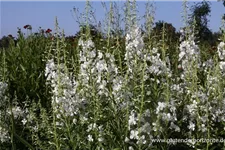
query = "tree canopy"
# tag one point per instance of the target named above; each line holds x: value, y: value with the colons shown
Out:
x: 224, y: 6
x: 198, y: 17
x: 223, y: 2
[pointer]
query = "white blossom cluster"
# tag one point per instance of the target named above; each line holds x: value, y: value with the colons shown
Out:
x: 208, y: 65
x: 6, y: 112
x: 167, y: 111
x: 216, y: 95
x: 221, y: 50
x: 99, y: 78
x: 221, y: 54
x: 134, y: 48
x: 189, y: 52
x: 97, y: 68
x: 4, y: 135
x: 198, y: 110
x: 140, y: 125
x: 3, y: 87
x: 101, y: 69
x: 63, y: 89
x: 135, y: 58
x: 142, y: 133
x: 136, y: 55
x: 92, y: 65
x: 93, y: 127
x: 3, y: 95
x: 17, y: 112
x: 158, y: 66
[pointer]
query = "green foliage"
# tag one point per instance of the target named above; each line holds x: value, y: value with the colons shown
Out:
x: 166, y: 33
x: 222, y: 1
x: 224, y: 6
x: 26, y: 69
x: 198, y: 18
x: 6, y: 41
x: 24, y: 65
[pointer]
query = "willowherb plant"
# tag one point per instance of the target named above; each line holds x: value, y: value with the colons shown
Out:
x: 221, y: 54
x: 221, y: 50
x: 189, y: 51
x: 92, y: 71
x: 158, y: 67
x: 3, y: 88
x: 4, y: 134
x: 99, y: 105
x: 134, y: 48
x: 64, y: 96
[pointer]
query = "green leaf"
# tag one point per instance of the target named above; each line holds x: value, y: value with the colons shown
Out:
x: 22, y: 68
x: 23, y: 141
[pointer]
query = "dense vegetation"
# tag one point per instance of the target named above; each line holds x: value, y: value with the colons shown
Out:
x: 109, y: 87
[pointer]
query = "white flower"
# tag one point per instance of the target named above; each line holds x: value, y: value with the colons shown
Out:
x: 192, y: 107
x: 130, y: 148
x: 90, y: 43
x: 191, y: 126
x: 134, y: 48
x: 203, y: 128
x: 100, y: 139
x: 154, y: 50
x: 74, y: 121
x: 173, y: 126
x: 50, y: 66
x: 63, y: 88
x: 160, y: 107
x: 221, y: 50
x: 35, y: 128
x: 222, y: 65
x: 127, y: 139
x: 24, y: 121
x: 101, y: 65
x: 4, y: 135
x: 90, y: 139
x: 148, y: 93
x: 92, y: 54
x: 58, y: 116
x: 181, y: 55
x: 91, y: 127
x: 117, y: 84
x: 132, y: 119
x: 134, y: 134
x: 189, y: 51
x: 100, y: 55
x: 142, y: 140
x: 147, y: 113
x: 154, y: 126
x: 17, y: 112
x: 208, y: 64
x: 168, y: 115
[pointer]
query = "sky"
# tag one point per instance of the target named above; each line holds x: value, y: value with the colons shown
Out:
x: 42, y: 14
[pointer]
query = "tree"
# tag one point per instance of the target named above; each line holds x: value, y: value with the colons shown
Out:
x: 222, y: 1
x: 165, y: 36
x: 5, y: 41
x: 93, y: 31
x: 223, y: 5
x: 198, y: 18
x: 171, y: 36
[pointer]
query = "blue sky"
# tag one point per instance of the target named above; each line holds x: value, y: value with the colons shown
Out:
x: 42, y: 14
